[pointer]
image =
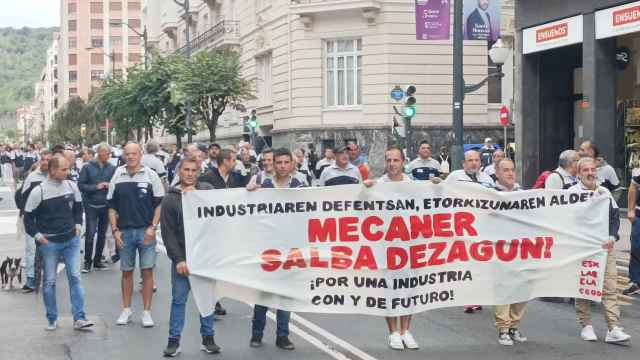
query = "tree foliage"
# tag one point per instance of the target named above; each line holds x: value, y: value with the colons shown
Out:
x: 68, y: 120
x: 212, y: 82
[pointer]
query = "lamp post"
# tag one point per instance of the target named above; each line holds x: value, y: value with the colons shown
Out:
x: 145, y: 39
x: 187, y: 32
x: 498, y: 54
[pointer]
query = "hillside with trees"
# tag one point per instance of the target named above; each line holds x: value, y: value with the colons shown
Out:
x: 23, y: 55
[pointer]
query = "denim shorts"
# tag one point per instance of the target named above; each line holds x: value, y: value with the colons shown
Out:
x: 134, y: 242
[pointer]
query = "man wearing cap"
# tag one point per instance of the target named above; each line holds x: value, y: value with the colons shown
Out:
x: 342, y: 172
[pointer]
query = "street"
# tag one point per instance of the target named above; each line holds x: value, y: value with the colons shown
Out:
x: 448, y: 333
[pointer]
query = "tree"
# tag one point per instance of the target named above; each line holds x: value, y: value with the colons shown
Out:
x: 68, y: 120
x: 211, y: 82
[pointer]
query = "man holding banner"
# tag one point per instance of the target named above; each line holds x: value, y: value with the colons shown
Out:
x: 283, y: 178
x: 172, y: 225
x: 399, y: 335
x: 508, y: 316
x: 587, y: 173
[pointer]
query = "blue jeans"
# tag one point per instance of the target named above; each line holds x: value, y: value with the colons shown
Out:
x: 260, y: 320
x: 29, y: 258
x: 634, y: 264
x: 70, y: 253
x: 134, y: 244
x: 180, y: 288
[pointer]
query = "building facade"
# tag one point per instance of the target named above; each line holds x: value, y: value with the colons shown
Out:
x: 323, y: 70
x: 95, y: 42
x: 577, y: 79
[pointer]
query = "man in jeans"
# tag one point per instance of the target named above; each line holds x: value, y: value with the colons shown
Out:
x: 283, y: 178
x: 134, y: 197
x: 94, y: 185
x: 172, y: 225
x: 53, y: 217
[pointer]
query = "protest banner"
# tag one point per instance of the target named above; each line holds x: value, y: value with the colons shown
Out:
x: 393, y: 249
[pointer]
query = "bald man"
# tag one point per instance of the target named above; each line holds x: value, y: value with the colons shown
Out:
x: 134, y: 197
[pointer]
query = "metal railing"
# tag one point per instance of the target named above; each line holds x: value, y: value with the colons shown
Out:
x: 222, y: 29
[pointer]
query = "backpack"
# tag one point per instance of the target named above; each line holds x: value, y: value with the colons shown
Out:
x: 542, y: 179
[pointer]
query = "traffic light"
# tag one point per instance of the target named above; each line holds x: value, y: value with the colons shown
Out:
x: 253, y: 121
x: 409, y: 110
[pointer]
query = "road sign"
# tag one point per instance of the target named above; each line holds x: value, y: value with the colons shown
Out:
x: 504, y: 116
x: 397, y: 93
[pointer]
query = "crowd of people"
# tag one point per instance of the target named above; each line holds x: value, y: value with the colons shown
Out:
x: 120, y: 197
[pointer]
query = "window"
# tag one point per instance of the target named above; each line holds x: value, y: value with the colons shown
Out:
x: 115, y: 23
x: 115, y: 6
x: 134, y: 40
x: 97, y: 75
x: 133, y: 5
x: 97, y: 42
x: 134, y: 57
x: 73, y: 91
x: 134, y: 23
x: 73, y: 76
x: 117, y: 73
x: 72, y: 43
x: 97, y: 59
x: 73, y: 59
x: 344, y: 72
x: 117, y: 57
x: 72, y: 8
x: 96, y: 24
x: 264, y: 83
x: 95, y: 7
x: 72, y: 25
x: 116, y: 41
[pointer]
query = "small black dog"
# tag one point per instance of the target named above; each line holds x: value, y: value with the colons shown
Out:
x: 9, y: 270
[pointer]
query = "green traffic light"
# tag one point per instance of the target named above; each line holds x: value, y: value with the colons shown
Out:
x: 410, y: 111
x: 253, y: 124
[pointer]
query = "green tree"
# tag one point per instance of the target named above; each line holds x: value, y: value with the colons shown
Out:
x: 68, y: 120
x: 212, y: 82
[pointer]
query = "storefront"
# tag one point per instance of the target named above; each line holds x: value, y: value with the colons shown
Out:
x: 578, y: 78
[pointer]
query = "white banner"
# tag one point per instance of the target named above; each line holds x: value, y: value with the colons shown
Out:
x: 393, y: 249
x: 619, y: 20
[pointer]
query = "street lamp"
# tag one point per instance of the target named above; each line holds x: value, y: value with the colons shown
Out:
x: 498, y: 54
x: 144, y: 35
x: 185, y: 5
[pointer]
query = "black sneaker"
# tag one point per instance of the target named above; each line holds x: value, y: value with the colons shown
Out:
x: 209, y: 345
x: 98, y: 265
x: 86, y: 268
x: 173, y: 348
x: 632, y: 290
x: 115, y: 259
x: 220, y: 311
x: 27, y: 289
x: 283, y: 342
x: 255, y: 342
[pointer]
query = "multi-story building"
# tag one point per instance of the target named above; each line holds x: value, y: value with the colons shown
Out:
x: 96, y: 41
x: 323, y: 69
x: 51, y: 76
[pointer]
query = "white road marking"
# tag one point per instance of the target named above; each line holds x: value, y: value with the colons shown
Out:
x: 329, y: 336
x: 313, y: 340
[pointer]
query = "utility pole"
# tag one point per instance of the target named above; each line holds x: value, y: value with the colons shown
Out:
x: 187, y: 18
x: 458, y: 87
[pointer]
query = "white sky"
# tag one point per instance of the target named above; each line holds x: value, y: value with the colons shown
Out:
x: 31, y: 13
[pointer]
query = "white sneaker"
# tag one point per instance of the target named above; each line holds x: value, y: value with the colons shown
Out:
x: 617, y: 335
x: 147, y: 321
x: 587, y: 334
x: 125, y: 317
x: 409, y: 341
x: 82, y: 324
x: 395, y: 341
x: 504, y: 339
x: 517, y: 336
x: 52, y: 326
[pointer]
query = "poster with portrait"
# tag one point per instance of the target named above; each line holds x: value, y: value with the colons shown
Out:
x: 482, y: 19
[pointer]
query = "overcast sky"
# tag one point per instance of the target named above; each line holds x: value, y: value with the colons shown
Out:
x: 31, y: 13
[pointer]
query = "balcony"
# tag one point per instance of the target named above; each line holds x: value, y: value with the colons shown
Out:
x: 224, y: 33
x: 308, y: 9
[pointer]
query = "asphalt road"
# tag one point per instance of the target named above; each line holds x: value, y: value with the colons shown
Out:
x: 442, y: 334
